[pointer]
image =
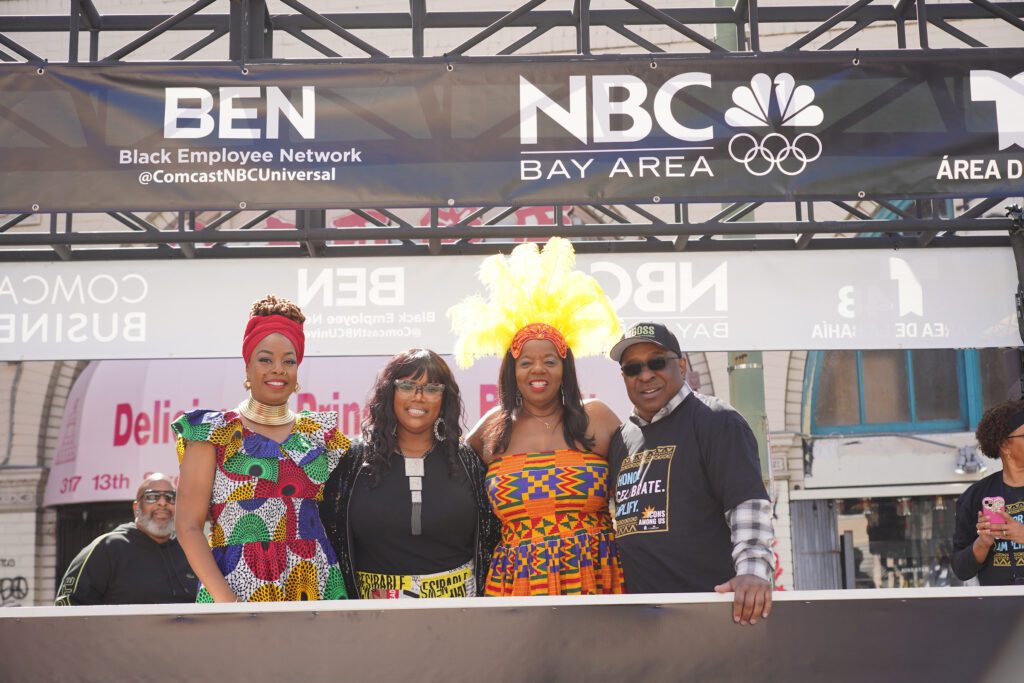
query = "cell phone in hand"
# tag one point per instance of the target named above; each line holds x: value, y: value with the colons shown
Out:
x: 992, y: 506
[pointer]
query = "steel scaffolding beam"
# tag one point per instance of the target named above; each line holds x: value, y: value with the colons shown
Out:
x: 253, y: 34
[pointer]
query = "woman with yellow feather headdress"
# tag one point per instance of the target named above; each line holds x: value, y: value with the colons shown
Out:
x: 544, y: 446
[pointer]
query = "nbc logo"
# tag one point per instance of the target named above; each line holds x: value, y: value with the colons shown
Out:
x: 755, y: 107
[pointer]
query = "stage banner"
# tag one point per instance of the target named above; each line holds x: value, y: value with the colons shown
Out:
x: 510, y: 131
x: 775, y: 301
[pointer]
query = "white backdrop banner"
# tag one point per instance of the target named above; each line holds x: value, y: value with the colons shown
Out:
x: 117, y: 426
x: 870, y: 299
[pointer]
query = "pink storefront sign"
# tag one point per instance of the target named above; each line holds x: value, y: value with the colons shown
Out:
x: 117, y: 424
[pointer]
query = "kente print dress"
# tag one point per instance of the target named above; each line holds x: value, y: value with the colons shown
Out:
x: 556, y: 531
x: 266, y: 535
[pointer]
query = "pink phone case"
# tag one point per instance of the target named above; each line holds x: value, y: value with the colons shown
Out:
x: 992, y: 506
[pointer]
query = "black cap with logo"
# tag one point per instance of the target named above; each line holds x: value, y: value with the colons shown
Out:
x: 653, y: 333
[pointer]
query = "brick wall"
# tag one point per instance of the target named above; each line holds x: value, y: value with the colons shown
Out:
x: 17, y: 558
x: 31, y: 410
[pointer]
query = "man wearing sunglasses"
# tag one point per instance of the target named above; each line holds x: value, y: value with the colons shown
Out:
x: 691, y: 511
x: 138, y: 562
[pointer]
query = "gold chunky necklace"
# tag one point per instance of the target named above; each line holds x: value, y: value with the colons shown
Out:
x: 262, y: 414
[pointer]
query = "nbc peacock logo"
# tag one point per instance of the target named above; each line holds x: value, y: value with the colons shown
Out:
x: 777, y: 105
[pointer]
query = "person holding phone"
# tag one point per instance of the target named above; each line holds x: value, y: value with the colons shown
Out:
x: 991, y: 547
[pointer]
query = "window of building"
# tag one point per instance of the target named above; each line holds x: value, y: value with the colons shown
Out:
x: 899, y: 542
x: 921, y: 390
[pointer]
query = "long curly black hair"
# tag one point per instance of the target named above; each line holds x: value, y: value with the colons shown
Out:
x: 995, y: 426
x: 380, y: 428
x: 574, y: 419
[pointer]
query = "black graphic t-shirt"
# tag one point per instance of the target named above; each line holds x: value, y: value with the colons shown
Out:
x: 996, y: 570
x: 674, y: 480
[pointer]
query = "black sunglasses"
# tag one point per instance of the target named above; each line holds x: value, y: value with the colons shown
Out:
x: 654, y: 365
x: 150, y: 496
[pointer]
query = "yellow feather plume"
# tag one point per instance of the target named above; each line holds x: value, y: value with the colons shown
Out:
x: 534, y: 286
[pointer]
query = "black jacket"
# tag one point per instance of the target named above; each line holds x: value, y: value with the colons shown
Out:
x: 338, y: 493
x: 126, y: 567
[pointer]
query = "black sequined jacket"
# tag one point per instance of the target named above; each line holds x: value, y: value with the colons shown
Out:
x: 338, y: 493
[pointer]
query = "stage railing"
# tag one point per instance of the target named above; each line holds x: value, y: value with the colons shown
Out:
x: 931, y: 634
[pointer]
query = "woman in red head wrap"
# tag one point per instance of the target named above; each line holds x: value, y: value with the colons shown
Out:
x: 257, y: 472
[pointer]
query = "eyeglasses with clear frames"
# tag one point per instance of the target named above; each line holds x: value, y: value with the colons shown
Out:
x: 431, y: 390
x: 654, y: 365
x: 150, y: 496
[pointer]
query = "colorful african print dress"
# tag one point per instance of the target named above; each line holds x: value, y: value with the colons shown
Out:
x: 266, y: 535
x: 556, y: 531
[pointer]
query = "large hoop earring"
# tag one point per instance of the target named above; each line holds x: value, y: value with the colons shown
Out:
x: 561, y: 394
x: 439, y: 429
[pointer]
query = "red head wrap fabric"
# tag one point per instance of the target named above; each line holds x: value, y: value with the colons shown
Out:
x: 537, y: 331
x: 260, y: 326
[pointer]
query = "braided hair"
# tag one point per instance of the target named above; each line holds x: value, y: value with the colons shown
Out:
x: 275, y: 305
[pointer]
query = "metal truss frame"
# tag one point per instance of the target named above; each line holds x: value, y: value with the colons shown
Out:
x: 251, y: 30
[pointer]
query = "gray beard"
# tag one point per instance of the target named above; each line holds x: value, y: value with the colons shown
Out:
x: 153, y: 528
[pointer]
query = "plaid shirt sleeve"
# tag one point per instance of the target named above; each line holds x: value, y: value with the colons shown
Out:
x: 750, y: 524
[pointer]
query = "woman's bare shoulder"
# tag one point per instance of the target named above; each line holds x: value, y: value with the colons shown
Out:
x: 602, y: 424
x: 476, y: 435
x: 598, y: 410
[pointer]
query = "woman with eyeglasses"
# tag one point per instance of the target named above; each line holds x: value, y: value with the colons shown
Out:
x: 257, y: 472
x: 545, y: 448
x: 989, y: 538
x: 406, y: 511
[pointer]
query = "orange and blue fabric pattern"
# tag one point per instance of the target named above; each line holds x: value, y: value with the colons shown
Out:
x: 556, y: 535
x: 266, y: 534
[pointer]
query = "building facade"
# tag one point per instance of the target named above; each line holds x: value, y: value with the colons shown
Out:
x: 868, y: 448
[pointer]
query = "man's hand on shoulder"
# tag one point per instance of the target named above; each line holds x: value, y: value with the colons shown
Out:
x: 753, y: 598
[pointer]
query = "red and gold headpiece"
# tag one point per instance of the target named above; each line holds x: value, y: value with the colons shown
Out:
x: 537, y: 331
x: 534, y: 294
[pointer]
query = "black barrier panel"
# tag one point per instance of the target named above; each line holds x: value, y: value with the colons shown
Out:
x: 510, y: 131
x: 929, y: 635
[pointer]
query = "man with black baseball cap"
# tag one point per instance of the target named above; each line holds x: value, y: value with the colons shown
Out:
x: 691, y: 511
